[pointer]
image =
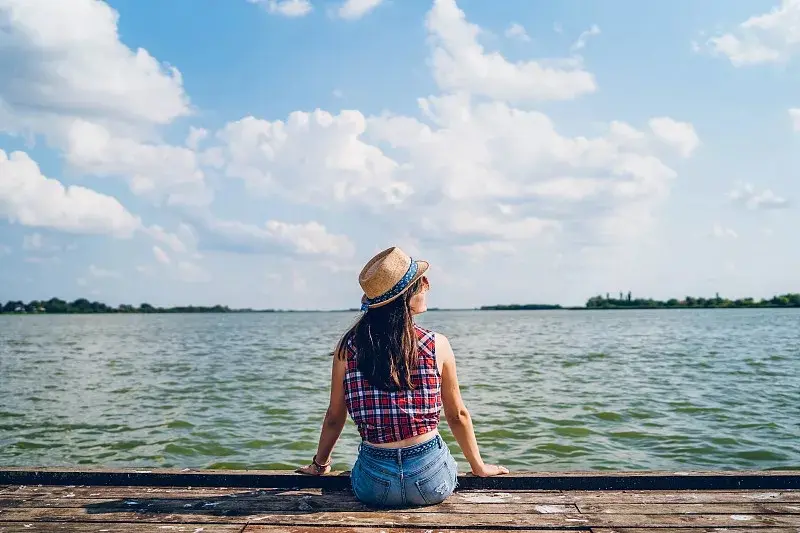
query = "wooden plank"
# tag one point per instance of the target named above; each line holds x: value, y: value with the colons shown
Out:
x: 241, y: 506
x: 45, y: 493
x: 344, y: 529
x: 691, y: 508
x: 699, y: 496
x: 461, y: 496
x: 695, y: 530
x: 628, y: 480
x: 113, y: 527
x: 397, y: 518
x: 121, y: 527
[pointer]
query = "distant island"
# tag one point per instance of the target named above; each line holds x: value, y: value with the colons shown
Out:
x: 519, y: 307
x: 690, y: 302
x: 84, y: 306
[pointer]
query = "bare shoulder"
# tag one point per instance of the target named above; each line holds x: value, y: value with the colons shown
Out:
x: 443, y: 349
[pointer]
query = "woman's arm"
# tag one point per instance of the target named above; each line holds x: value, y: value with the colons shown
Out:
x: 335, y: 418
x: 456, y: 413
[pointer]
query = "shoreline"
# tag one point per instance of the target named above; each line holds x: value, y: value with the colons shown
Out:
x: 453, y: 310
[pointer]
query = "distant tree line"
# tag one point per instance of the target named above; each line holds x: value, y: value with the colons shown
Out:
x: 519, y: 307
x: 628, y: 302
x: 84, y: 306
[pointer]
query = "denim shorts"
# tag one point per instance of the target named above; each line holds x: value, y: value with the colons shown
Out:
x: 422, y: 474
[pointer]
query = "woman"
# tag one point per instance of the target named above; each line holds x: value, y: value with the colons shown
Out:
x: 393, y: 378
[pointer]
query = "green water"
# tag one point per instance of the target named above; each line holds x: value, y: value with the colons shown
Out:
x: 684, y: 389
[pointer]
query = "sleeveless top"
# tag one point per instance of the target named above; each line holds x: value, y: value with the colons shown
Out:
x: 389, y: 416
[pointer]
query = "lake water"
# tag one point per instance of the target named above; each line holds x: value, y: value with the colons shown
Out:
x: 678, y: 389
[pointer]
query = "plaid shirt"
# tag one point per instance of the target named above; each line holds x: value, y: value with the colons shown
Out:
x: 386, y: 416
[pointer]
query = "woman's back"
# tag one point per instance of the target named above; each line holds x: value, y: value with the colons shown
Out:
x: 384, y: 415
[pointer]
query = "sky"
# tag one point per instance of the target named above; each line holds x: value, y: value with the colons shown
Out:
x: 256, y: 153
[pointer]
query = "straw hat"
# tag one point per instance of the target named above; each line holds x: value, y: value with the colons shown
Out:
x: 387, y: 276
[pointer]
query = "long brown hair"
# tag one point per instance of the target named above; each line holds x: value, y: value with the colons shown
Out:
x: 385, y: 343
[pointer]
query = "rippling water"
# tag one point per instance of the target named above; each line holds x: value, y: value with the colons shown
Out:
x: 677, y: 389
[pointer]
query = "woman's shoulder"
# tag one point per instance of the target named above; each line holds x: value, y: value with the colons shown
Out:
x: 434, y: 336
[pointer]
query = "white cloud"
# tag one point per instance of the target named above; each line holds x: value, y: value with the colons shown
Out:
x: 287, y: 8
x: 68, y: 60
x: 161, y: 256
x: 31, y: 199
x: 748, y: 196
x: 156, y: 170
x: 448, y: 174
x: 355, y: 9
x: 794, y: 114
x: 97, y: 272
x: 517, y: 31
x: 721, y: 232
x: 488, y: 153
x: 32, y: 242
x: 94, y: 98
x: 195, y: 137
x: 175, y: 242
x: 580, y: 43
x: 679, y: 135
x: 461, y: 64
x: 291, y: 158
x: 766, y: 38
x: 311, y: 238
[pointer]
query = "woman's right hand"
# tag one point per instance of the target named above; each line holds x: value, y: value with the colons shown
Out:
x: 490, y: 470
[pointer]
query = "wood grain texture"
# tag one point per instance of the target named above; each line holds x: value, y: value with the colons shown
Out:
x: 102, y: 527
x: 389, y: 519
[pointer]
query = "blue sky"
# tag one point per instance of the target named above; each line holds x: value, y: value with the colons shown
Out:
x: 257, y: 153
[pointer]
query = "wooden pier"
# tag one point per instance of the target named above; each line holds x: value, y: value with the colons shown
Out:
x: 215, y: 501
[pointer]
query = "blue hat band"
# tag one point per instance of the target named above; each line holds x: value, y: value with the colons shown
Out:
x: 394, y: 291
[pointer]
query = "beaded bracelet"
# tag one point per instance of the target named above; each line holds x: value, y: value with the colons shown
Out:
x: 326, y: 465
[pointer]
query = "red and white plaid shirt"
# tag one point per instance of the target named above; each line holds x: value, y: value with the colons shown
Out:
x: 386, y: 416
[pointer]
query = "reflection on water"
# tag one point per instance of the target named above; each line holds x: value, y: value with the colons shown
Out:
x: 677, y: 389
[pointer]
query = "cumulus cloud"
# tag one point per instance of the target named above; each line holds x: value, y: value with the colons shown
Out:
x: 67, y: 60
x: 764, y: 38
x: 517, y: 31
x: 355, y: 9
x: 311, y: 238
x: 93, y: 97
x: 157, y: 170
x: 468, y: 171
x: 679, y: 135
x: 460, y: 63
x: 313, y: 157
x: 287, y: 8
x: 745, y: 194
x: 482, y: 154
x: 29, y: 198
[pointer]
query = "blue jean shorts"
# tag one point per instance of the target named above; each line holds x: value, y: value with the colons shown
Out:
x: 422, y: 474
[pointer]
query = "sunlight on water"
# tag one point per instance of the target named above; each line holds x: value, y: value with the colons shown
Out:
x: 689, y: 389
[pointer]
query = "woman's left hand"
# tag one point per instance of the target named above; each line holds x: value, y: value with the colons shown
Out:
x: 313, y: 470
